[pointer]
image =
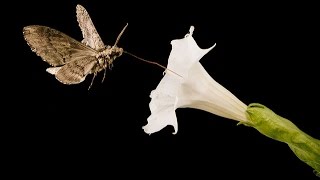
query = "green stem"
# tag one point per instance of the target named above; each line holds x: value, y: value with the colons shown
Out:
x: 305, y: 147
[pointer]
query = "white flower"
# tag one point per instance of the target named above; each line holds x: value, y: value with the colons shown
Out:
x: 190, y: 87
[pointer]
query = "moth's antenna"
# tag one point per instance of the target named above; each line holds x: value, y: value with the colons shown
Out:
x: 119, y: 36
x: 151, y: 62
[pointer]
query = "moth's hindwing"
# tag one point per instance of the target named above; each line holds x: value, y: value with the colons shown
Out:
x: 55, y: 47
x: 76, y: 71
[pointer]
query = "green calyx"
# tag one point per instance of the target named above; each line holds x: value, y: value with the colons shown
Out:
x: 305, y: 147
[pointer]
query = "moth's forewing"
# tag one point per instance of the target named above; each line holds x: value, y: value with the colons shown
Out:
x: 74, y: 58
x: 76, y: 71
x: 90, y: 35
x: 53, y: 46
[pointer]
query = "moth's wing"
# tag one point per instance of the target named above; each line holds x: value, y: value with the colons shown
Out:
x: 74, y: 72
x: 90, y: 35
x: 53, y: 46
x: 53, y: 70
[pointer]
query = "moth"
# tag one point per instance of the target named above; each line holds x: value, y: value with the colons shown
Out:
x: 70, y: 59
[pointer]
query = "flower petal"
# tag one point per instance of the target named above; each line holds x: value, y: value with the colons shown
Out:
x: 184, y: 53
x: 161, y: 117
x: 162, y: 105
x: 201, y: 91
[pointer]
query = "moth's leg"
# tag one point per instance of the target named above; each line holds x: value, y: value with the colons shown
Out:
x: 110, y: 63
x: 105, y: 65
x: 94, y: 76
x: 110, y: 66
x: 104, y: 74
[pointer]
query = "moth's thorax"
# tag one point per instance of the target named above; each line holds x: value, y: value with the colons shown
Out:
x: 106, y: 57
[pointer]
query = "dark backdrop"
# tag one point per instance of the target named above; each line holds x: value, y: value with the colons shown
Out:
x: 266, y: 53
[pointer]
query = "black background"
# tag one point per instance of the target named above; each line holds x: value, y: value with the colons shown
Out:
x: 265, y: 53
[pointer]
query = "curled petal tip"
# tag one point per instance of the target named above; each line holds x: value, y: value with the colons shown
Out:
x: 191, y: 30
x: 213, y: 45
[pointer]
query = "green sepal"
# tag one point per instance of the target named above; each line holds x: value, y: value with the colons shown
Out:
x: 268, y: 123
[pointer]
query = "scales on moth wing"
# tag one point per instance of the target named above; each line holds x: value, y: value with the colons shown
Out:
x: 72, y: 60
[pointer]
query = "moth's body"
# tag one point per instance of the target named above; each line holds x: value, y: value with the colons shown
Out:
x: 72, y: 60
x: 105, y: 58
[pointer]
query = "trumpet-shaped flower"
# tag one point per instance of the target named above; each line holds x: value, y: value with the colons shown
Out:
x: 189, y: 87
x: 192, y: 87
